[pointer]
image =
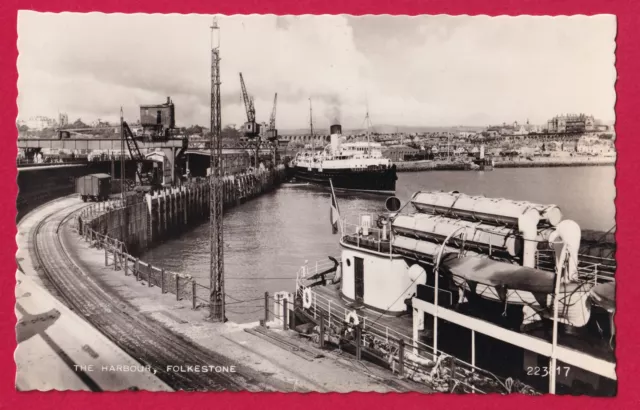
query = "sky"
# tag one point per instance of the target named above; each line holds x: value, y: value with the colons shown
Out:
x: 406, y: 71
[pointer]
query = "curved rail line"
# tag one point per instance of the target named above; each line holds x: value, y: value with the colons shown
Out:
x: 140, y: 336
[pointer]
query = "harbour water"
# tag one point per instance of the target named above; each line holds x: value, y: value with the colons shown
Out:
x: 267, y: 239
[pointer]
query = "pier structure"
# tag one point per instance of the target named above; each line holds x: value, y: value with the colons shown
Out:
x: 145, y: 220
x: 234, y: 159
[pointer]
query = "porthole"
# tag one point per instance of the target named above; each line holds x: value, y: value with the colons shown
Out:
x: 348, y: 262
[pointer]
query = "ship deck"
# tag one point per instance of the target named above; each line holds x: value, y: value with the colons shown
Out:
x: 401, y: 327
x: 402, y: 324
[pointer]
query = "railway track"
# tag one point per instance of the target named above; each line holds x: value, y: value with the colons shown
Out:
x: 141, y: 337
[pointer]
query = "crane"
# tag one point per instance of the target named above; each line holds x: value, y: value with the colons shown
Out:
x: 251, y: 128
x: 216, y: 231
x: 272, y: 132
x: 146, y: 179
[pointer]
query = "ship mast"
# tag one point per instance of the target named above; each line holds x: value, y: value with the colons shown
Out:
x: 311, y: 117
x: 368, y: 124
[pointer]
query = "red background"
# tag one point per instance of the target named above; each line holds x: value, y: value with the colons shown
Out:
x: 627, y: 86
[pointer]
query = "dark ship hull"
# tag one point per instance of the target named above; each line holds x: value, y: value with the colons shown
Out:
x: 374, y: 180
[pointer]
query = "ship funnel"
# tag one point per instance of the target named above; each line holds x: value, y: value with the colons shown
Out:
x: 482, y: 151
x: 335, y: 129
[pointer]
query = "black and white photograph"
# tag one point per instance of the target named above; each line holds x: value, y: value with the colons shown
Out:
x: 316, y: 203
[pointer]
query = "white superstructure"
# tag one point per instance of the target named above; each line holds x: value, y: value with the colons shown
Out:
x: 343, y: 155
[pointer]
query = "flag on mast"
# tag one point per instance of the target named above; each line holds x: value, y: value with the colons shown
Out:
x: 335, y: 211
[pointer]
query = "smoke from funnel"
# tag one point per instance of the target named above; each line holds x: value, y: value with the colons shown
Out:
x: 334, y: 115
x: 332, y: 110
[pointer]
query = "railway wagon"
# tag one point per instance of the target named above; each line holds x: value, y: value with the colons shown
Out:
x: 94, y: 187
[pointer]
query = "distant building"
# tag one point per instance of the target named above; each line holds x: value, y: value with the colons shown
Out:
x: 466, y: 134
x: 311, y: 140
x: 63, y: 119
x: 520, y: 130
x: 571, y: 123
x: 38, y: 123
x: 399, y: 152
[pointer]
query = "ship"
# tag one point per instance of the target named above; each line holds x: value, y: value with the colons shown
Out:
x: 504, y: 290
x: 350, y: 166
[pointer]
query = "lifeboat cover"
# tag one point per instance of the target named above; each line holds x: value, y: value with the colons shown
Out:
x: 604, y: 295
x: 494, y: 273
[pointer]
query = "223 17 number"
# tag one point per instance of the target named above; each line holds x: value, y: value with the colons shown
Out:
x: 544, y: 371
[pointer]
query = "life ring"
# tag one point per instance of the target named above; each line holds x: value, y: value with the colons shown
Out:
x: 306, y: 298
x: 352, y: 318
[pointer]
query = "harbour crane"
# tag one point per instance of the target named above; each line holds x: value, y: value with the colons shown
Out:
x: 251, y: 128
x: 272, y: 132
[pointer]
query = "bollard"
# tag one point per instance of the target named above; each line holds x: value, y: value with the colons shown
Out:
x: 401, y: 357
x: 266, y: 308
x: 149, y: 272
x: 358, y: 342
x: 285, y: 314
x: 193, y: 294
x: 106, y: 256
x: 321, y: 339
x: 162, y: 280
x: 177, y: 287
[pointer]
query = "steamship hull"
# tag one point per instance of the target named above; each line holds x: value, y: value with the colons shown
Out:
x: 373, y: 180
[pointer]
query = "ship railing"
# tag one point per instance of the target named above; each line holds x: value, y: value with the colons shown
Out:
x: 418, y: 357
x: 308, y: 270
x: 590, y: 268
x: 357, y: 232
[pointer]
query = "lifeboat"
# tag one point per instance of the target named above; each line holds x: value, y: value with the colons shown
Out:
x: 520, y: 285
x: 478, y: 208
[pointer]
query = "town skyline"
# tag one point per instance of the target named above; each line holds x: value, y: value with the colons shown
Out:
x: 45, y: 122
x: 425, y: 71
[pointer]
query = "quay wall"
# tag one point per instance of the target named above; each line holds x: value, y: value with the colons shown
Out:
x: 143, y: 221
x: 556, y: 162
x: 124, y: 230
x: 418, y: 166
